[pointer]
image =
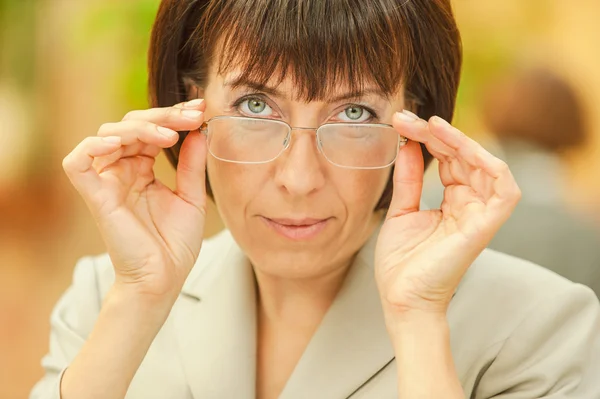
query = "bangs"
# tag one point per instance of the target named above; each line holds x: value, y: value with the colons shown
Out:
x: 390, y: 46
x: 320, y: 45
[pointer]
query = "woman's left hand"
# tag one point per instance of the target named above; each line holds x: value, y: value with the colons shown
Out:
x: 422, y: 255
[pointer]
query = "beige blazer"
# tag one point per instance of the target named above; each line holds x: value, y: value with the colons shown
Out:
x: 517, y: 331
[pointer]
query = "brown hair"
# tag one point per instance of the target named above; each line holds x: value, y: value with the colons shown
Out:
x: 319, y: 44
x: 535, y: 105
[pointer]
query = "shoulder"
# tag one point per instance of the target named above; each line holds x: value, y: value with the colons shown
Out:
x: 502, y: 281
x: 500, y: 293
x: 500, y: 274
x: 513, y: 320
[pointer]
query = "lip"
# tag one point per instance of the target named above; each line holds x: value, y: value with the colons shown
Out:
x: 297, y: 229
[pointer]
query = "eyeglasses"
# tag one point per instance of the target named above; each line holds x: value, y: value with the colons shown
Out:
x: 247, y: 140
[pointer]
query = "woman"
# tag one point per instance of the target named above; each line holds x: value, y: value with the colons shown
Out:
x: 330, y: 281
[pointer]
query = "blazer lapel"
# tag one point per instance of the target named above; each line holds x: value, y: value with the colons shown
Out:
x: 215, y: 323
x: 351, y: 344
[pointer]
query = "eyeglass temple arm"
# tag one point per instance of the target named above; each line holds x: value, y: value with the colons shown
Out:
x: 203, y: 128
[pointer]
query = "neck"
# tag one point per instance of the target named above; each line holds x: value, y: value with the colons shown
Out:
x: 298, y: 303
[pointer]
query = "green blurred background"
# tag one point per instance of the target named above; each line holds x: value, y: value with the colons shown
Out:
x: 67, y: 66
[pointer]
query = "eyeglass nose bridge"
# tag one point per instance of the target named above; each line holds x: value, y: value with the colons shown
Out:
x: 303, y: 128
x: 288, y: 138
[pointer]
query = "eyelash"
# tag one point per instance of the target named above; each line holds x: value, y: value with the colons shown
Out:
x: 259, y: 96
x: 254, y: 96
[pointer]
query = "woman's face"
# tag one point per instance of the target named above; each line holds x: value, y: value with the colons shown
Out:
x: 298, y: 216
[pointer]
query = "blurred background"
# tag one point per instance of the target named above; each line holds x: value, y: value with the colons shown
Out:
x: 530, y: 92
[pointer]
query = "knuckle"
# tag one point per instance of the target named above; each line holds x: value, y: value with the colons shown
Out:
x: 131, y: 115
x: 88, y: 142
x: 70, y: 162
x: 503, y: 167
x: 517, y: 194
x: 136, y: 129
x: 143, y: 126
x: 67, y: 163
x: 106, y: 129
x: 172, y: 112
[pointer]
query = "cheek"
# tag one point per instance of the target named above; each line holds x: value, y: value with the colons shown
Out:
x: 361, y: 190
x: 234, y: 186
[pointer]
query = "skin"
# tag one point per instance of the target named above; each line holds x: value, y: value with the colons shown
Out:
x: 153, y: 235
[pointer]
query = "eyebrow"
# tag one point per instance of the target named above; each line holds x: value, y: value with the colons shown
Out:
x: 241, y: 82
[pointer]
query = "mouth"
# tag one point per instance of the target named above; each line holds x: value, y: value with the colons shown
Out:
x: 297, y: 229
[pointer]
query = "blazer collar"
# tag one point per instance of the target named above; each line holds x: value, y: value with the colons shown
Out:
x: 216, y: 328
x: 215, y: 324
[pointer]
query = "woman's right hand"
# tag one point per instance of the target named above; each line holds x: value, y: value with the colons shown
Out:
x: 153, y: 234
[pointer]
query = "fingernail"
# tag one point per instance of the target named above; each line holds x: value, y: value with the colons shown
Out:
x: 194, y: 103
x: 405, y: 118
x: 436, y: 120
x: 408, y: 113
x: 168, y: 133
x: 192, y: 114
x: 112, y: 139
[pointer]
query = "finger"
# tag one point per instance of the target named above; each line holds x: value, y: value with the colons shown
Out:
x: 197, y: 103
x: 133, y: 131
x: 138, y: 138
x: 408, y: 180
x: 454, y: 171
x: 181, y: 117
x: 191, y: 170
x: 142, y: 149
x: 78, y: 164
x: 463, y: 146
x: 503, y: 192
x: 417, y: 129
x: 136, y: 173
x: 457, y: 173
x: 465, y: 168
x: 506, y: 191
x: 457, y: 198
x: 134, y: 150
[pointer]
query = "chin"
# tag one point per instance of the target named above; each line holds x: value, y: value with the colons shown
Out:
x: 293, y: 263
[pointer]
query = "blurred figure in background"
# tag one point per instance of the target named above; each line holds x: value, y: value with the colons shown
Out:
x: 536, y: 116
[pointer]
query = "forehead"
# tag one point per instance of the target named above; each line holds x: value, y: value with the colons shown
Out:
x: 285, y: 85
x: 291, y: 87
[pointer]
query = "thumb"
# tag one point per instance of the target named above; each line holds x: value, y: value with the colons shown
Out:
x: 191, y: 170
x: 408, y: 180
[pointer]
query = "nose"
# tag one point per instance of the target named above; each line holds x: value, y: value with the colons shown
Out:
x: 299, y: 169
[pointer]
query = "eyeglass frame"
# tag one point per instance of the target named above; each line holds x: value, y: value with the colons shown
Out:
x: 401, y: 139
